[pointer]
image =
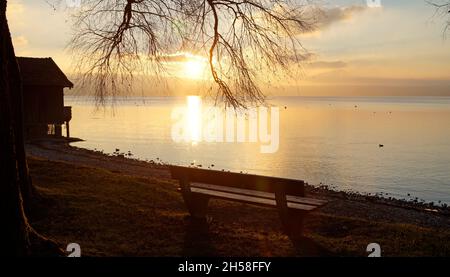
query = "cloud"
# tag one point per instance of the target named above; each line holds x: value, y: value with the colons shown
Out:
x: 180, y: 57
x: 15, y: 7
x: 336, y: 14
x: 322, y: 18
x: 328, y: 65
x: 20, y: 41
x: 175, y: 58
x: 14, y: 13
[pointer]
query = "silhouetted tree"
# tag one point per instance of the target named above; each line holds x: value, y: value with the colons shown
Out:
x: 241, y: 39
x: 17, y: 237
x: 117, y: 39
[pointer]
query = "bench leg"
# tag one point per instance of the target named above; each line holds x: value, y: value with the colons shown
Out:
x: 293, y: 222
x: 197, y: 205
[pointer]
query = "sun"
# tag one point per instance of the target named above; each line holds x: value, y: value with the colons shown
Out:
x: 194, y: 68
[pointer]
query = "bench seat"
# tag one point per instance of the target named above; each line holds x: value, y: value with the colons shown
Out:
x: 255, y: 197
x: 197, y: 186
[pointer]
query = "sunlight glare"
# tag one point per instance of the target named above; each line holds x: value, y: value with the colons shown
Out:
x: 194, y: 68
x: 194, y: 120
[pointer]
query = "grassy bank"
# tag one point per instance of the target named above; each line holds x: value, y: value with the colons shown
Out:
x: 112, y: 214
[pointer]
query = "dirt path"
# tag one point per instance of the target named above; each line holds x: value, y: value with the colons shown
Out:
x: 57, y: 151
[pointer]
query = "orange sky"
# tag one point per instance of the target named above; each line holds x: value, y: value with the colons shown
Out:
x: 397, y: 49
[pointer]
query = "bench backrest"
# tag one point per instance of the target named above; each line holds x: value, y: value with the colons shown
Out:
x: 239, y: 180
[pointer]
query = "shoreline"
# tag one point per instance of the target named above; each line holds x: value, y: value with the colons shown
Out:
x: 136, y: 204
x: 63, y: 147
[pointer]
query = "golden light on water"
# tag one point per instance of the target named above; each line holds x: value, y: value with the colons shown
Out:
x: 194, y: 118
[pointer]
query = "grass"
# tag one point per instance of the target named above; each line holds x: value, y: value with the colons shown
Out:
x: 111, y: 214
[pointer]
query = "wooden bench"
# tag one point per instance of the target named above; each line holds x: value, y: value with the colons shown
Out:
x: 288, y: 196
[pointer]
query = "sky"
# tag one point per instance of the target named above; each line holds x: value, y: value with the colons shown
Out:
x: 396, y: 49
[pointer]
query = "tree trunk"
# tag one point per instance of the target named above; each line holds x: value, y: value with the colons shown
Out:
x: 26, y: 186
x: 15, y: 83
x: 17, y: 237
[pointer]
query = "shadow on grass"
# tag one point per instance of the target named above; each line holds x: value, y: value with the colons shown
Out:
x: 307, y: 247
x: 197, y: 239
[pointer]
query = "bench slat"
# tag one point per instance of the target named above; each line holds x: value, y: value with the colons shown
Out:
x: 262, y: 194
x: 238, y: 180
x: 250, y: 199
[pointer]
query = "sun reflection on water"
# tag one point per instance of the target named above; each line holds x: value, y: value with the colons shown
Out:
x: 194, y: 118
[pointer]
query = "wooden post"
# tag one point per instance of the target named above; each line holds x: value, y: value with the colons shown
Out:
x: 196, y: 204
x: 291, y: 220
x: 67, y: 129
x: 58, y: 130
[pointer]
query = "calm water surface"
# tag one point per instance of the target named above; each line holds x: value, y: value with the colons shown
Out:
x: 333, y: 141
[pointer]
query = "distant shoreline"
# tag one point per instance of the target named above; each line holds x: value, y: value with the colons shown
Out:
x: 70, y: 95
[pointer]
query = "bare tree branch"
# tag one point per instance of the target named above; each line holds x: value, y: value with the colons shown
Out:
x: 243, y: 40
x: 442, y: 10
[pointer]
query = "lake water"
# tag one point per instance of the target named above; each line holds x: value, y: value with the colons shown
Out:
x: 322, y: 140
